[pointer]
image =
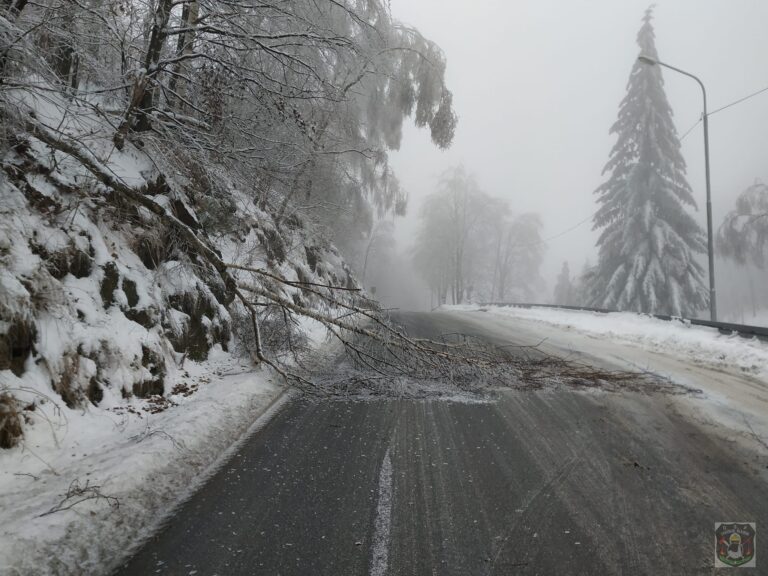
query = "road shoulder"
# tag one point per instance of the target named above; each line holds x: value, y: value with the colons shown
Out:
x: 81, y: 494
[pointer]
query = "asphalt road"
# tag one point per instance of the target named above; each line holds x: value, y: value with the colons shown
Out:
x: 547, y: 482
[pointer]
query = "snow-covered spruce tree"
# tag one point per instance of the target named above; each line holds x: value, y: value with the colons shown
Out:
x: 649, y: 241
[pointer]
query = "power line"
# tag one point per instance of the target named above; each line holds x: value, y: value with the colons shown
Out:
x: 563, y: 233
x: 739, y: 101
x: 690, y: 130
x: 571, y: 229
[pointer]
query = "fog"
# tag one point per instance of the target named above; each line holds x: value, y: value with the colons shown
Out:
x: 537, y: 87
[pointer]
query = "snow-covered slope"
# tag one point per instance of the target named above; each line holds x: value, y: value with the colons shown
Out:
x: 102, y: 301
x: 117, y: 339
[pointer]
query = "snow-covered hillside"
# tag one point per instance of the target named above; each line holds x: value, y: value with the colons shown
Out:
x: 104, y: 302
x: 119, y: 341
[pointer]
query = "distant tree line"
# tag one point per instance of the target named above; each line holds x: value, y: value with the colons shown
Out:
x: 471, y: 247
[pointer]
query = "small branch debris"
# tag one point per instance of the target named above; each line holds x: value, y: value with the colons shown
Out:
x: 157, y: 404
x: 77, y: 494
x: 27, y: 474
x: 384, y: 364
x: 150, y: 432
x: 184, y: 389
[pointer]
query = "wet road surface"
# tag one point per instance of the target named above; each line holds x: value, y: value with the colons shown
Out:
x: 552, y: 481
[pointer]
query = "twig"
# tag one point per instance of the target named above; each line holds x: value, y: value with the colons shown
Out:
x: 754, y: 434
x: 148, y: 433
x: 77, y: 494
x: 26, y: 474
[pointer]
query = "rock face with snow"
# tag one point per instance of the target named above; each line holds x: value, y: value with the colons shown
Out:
x: 649, y: 243
x: 100, y: 298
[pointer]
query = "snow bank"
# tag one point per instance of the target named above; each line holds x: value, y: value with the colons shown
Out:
x: 698, y: 344
x: 128, y: 465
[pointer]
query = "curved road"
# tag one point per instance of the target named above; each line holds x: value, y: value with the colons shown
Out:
x: 545, y: 482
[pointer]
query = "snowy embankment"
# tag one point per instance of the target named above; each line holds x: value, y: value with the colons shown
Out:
x: 124, y: 365
x: 696, y: 344
x: 125, y: 336
x: 79, y: 492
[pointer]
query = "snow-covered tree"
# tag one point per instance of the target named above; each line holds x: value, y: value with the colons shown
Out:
x: 303, y: 99
x: 449, y: 217
x: 582, y: 284
x: 743, y: 235
x: 471, y: 246
x: 564, y: 289
x: 520, y: 251
x: 231, y: 146
x: 649, y: 241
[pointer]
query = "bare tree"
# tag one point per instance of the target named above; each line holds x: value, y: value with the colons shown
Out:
x: 743, y: 235
x: 469, y: 243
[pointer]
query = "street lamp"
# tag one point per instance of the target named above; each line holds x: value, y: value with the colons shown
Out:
x: 710, y: 236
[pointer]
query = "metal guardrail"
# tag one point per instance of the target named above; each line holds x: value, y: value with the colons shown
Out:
x: 744, y: 330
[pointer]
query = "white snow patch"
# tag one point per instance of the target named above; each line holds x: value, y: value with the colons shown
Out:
x: 315, y: 331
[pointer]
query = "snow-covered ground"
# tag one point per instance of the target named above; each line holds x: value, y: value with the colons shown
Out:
x: 730, y: 371
x: 124, y: 468
x: 759, y: 318
x: 698, y: 344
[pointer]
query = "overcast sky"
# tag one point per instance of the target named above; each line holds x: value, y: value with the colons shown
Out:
x: 537, y: 85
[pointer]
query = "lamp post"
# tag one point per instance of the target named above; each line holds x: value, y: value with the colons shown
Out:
x: 710, y: 235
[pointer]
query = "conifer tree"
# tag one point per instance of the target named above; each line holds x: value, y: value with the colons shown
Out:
x: 649, y: 242
x: 564, y: 290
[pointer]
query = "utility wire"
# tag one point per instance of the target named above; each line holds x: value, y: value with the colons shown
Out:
x: 690, y: 130
x: 563, y: 233
x: 571, y: 229
x: 739, y: 101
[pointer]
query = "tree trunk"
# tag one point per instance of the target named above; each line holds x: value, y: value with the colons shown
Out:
x: 65, y: 65
x: 178, y: 82
x: 143, y: 97
x: 12, y: 9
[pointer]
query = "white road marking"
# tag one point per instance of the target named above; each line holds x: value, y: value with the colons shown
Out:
x: 383, y: 521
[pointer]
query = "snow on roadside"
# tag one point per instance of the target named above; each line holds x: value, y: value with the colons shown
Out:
x: 144, y: 462
x: 699, y: 344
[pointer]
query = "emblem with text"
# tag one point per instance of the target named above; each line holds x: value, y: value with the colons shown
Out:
x: 735, y: 544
